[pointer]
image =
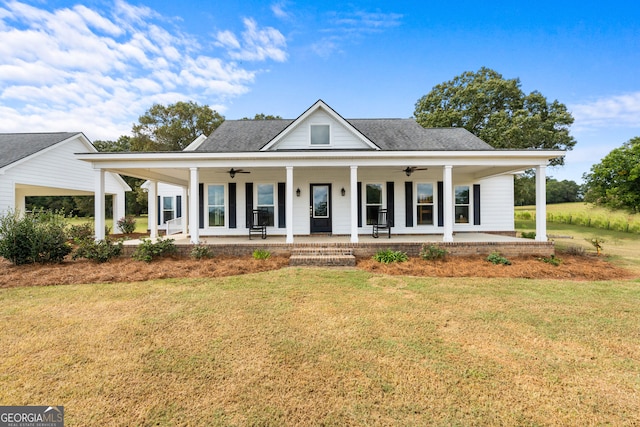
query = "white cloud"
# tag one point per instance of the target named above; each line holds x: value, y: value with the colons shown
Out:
x: 279, y: 11
x: 80, y: 69
x: 614, y: 111
x: 258, y: 44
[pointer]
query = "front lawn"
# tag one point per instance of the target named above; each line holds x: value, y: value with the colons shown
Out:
x: 303, y: 346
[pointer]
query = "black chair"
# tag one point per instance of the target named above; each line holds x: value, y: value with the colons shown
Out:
x: 382, y: 223
x: 258, y: 223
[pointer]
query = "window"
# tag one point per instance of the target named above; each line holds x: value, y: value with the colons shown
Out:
x: 373, y: 202
x: 266, y: 202
x: 215, y: 204
x: 320, y: 135
x: 424, y: 213
x: 168, y: 210
x: 462, y: 204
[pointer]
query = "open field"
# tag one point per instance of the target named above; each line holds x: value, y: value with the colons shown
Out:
x: 141, y: 223
x: 326, y: 347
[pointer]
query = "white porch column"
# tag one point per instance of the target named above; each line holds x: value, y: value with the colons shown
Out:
x: 194, y: 223
x: 541, y: 203
x: 353, y: 192
x: 119, y: 208
x: 20, y: 202
x: 185, y: 210
x: 289, y: 204
x: 447, y: 178
x: 99, y: 204
x: 152, y: 218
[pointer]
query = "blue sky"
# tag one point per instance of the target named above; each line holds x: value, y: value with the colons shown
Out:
x: 96, y: 66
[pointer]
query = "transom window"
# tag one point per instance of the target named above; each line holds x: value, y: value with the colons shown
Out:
x: 462, y: 204
x: 373, y: 202
x: 320, y: 135
x: 424, y: 202
x: 266, y: 202
x: 215, y: 204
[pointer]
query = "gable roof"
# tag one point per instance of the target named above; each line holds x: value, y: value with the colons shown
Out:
x: 387, y: 134
x: 17, y: 146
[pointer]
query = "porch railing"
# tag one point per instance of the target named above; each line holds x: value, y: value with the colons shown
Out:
x: 174, y: 226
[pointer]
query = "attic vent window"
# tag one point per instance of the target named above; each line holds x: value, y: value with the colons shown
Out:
x: 320, y: 135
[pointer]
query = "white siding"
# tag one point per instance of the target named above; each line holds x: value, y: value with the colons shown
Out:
x: 341, y: 137
x: 497, y: 211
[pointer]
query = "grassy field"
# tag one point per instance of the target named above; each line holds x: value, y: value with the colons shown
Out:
x: 141, y: 223
x: 326, y: 347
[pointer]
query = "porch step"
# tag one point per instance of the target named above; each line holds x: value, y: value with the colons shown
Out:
x: 322, y: 257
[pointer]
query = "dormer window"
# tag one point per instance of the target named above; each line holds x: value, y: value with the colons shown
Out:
x: 320, y: 135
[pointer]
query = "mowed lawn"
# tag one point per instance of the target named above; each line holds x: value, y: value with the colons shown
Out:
x: 326, y: 347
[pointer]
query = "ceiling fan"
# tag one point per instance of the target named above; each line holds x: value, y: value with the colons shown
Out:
x: 232, y: 172
x: 411, y: 169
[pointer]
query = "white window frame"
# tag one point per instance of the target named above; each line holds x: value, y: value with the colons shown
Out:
x: 311, y: 126
x: 365, y: 201
x: 224, y: 205
x: 433, y: 204
x: 468, y: 205
x: 275, y: 200
x: 173, y: 208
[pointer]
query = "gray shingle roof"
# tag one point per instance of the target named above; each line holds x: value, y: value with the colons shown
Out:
x: 17, y: 146
x: 388, y: 134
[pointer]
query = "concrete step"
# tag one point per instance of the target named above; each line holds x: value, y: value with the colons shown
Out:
x: 322, y: 257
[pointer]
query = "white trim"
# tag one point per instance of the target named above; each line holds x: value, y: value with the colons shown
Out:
x: 225, y: 204
x: 195, y: 144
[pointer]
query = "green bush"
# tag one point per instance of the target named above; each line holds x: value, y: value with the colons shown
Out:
x: 432, y: 252
x: 201, y: 252
x: 551, y: 260
x: 99, y: 251
x: 496, y: 258
x: 261, y: 254
x: 82, y: 231
x: 147, y: 251
x: 387, y: 256
x: 127, y: 224
x: 528, y: 234
x: 38, y: 237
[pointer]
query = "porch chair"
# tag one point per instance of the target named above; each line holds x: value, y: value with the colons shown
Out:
x: 382, y: 223
x: 258, y: 223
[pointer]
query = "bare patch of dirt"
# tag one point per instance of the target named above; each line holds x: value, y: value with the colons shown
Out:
x: 571, y: 268
x: 129, y: 270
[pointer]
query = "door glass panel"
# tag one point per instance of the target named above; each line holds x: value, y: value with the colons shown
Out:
x: 321, y: 201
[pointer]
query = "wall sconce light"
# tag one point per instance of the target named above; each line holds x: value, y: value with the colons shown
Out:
x: 343, y: 192
x: 298, y: 192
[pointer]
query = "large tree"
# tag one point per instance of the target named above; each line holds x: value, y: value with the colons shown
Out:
x: 615, y: 181
x: 497, y: 111
x: 173, y: 127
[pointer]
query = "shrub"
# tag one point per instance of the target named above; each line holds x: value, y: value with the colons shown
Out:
x: 261, y: 254
x: 201, y: 252
x: 38, y: 237
x: 528, y: 234
x: 574, y: 250
x: 147, y: 251
x: 551, y: 260
x: 82, y: 231
x: 432, y: 252
x: 597, y: 243
x: 99, y: 251
x: 387, y: 256
x: 127, y: 224
x: 496, y: 258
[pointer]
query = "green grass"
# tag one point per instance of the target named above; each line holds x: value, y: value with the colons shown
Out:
x: 326, y: 347
x: 141, y: 223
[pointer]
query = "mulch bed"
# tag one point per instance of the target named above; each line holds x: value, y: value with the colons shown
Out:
x: 129, y: 270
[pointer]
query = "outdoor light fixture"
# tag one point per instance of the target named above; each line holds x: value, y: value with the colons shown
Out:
x: 342, y: 192
x: 298, y: 192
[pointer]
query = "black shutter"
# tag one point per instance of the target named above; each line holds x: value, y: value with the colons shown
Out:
x: 476, y: 204
x: 359, y: 204
x: 440, y: 204
x: 282, y: 214
x: 248, y: 198
x: 159, y: 210
x: 232, y: 205
x: 201, y: 205
x: 178, y: 206
x: 408, y: 203
x: 390, y: 203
